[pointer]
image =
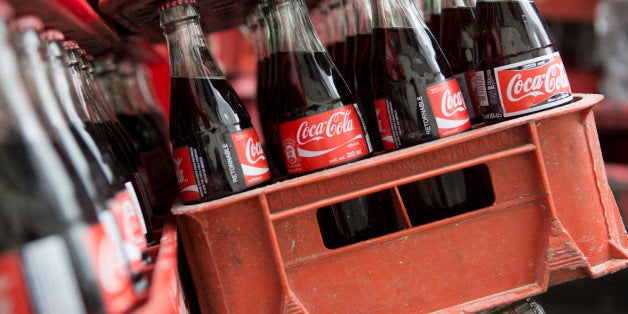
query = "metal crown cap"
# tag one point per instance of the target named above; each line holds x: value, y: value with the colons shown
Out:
x: 27, y: 22
x: 173, y: 3
x: 6, y: 11
x: 71, y: 45
x: 52, y: 35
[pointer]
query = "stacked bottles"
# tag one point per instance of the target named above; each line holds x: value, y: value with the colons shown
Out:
x: 145, y: 128
x: 72, y: 259
x: 216, y: 150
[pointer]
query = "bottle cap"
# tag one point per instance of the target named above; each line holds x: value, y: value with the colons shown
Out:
x: 27, y: 22
x: 71, y: 45
x: 52, y: 35
x: 6, y: 11
x: 174, y: 3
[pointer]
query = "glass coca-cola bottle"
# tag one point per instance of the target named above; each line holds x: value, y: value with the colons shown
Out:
x: 217, y: 152
x: 108, y: 177
x: 458, y: 18
x: 418, y: 100
x: 519, y: 68
x: 320, y: 125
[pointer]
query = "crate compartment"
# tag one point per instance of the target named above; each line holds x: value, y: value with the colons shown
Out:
x: 554, y: 219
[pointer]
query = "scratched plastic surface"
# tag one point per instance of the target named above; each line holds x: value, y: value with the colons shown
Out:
x: 554, y: 219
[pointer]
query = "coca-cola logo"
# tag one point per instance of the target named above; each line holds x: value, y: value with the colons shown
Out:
x: 178, y: 170
x: 337, y: 124
x: 553, y: 79
x: 254, y: 151
x: 452, y: 104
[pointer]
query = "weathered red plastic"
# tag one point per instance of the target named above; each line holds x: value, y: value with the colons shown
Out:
x: 554, y: 219
x: 165, y: 295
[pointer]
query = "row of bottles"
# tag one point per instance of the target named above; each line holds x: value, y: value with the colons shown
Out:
x: 498, y: 39
x: 86, y: 177
x: 384, y: 84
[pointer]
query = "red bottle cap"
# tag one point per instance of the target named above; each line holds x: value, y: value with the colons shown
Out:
x: 70, y: 45
x: 27, y: 22
x: 6, y: 11
x: 52, y: 35
x: 174, y: 3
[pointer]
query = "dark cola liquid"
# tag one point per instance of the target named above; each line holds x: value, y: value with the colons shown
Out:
x: 348, y: 70
x: 270, y: 127
x: 203, y: 114
x: 338, y: 54
x: 364, y: 87
x: 505, y: 34
x: 306, y: 83
x: 457, y: 44
x: 155, y: 158
x: 404, y: 65
x: 434, y: 25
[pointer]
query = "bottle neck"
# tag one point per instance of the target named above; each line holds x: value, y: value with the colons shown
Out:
x: 338, y: 19
x: 350, y: 17
x: 29, y: 46
x: 55, y: 56
x: 187, y: 48
x: 78, y: 82
x: 364, y: 16
x: 433, y: 7
x: 291, y: 28
x: 396, y: 14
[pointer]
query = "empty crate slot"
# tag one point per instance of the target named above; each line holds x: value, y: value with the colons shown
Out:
x: 408, y: 205
x: 360, y: 219
x: 447, y: 195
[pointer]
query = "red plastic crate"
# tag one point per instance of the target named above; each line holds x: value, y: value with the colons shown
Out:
x: 165, y: 295
x: 554, y: 219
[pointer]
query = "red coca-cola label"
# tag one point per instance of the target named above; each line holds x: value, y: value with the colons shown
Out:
x: 382, y: 109
x: 323, y: 140
x: 113, y: 277
x: 251, y: 156
x: 185, y: 173
x: 449, y: 108
x: 532, y: 85
x: 14, y: 297
x: 131, y: 227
